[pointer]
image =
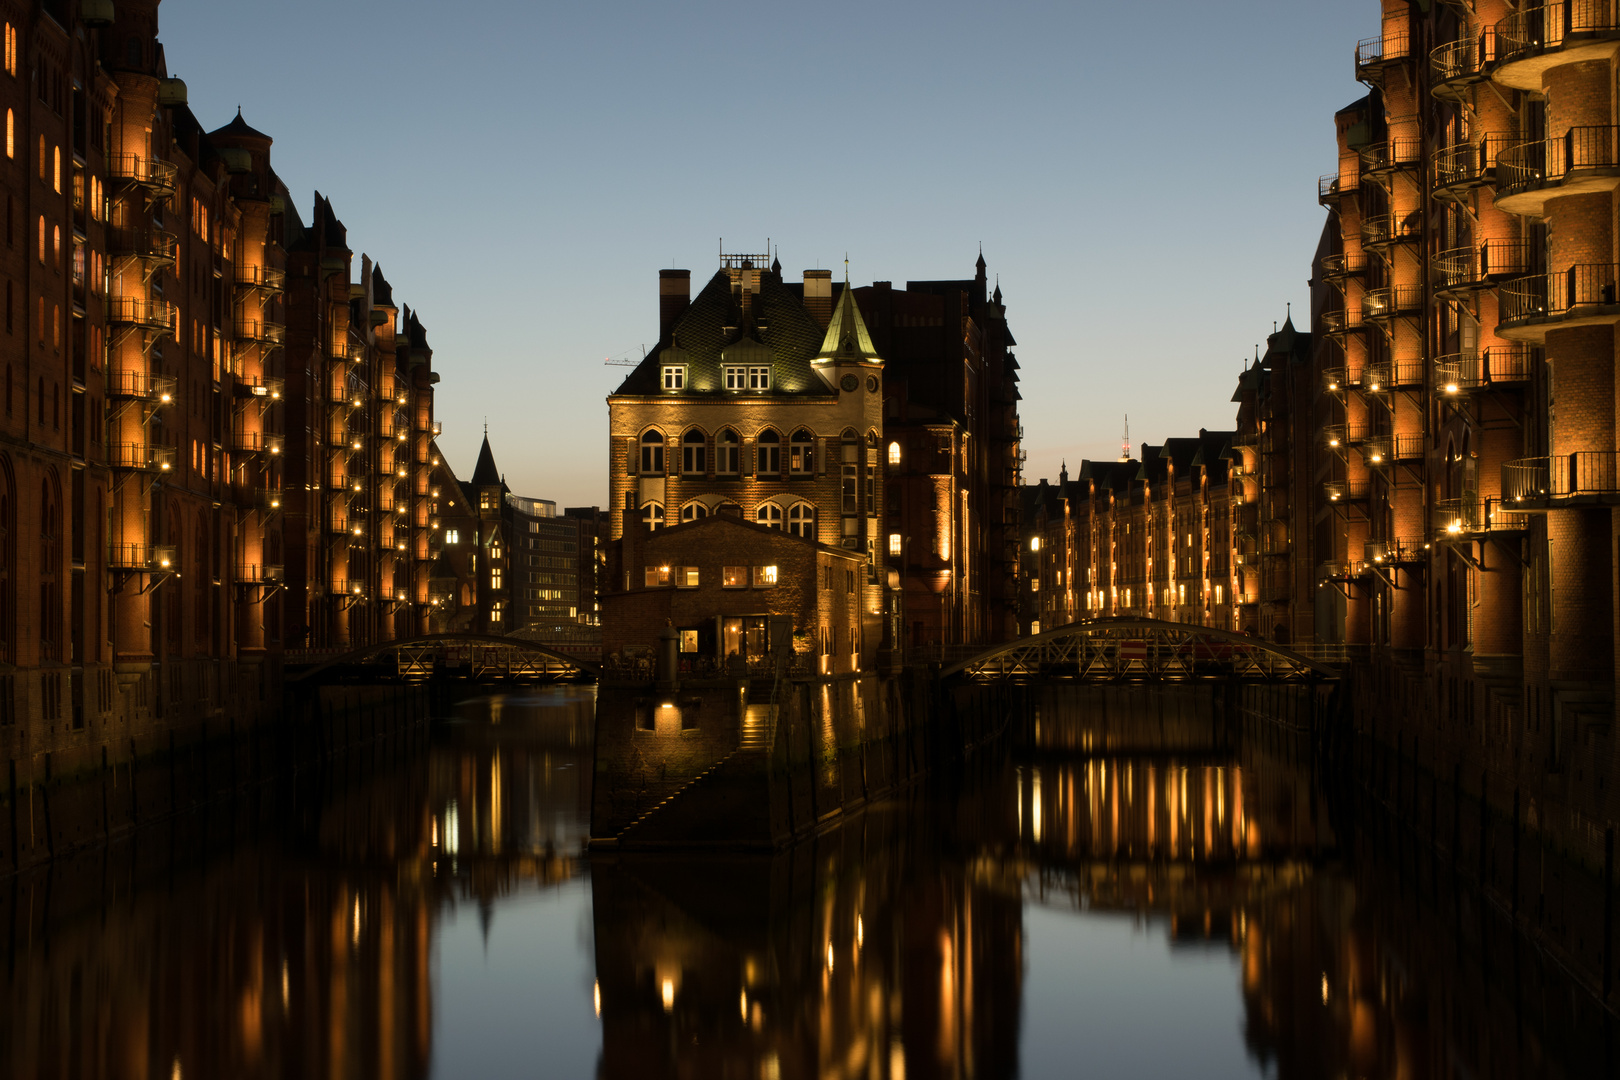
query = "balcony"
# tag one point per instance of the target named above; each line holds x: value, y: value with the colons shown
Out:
x: 1336, y: 437
x: 141, y: 385
x: 1395, y: 552
x: 1530, y: 41
x: 1583, y: 160
x: 1328, y: 190
x: 1391, y: 302
x: 1458, y: 65
x: 1457, y: 519
x: 1587, y: 294
x: 154, y: 175
x: 1408, y: 447
x: 1345, y: 491
x: 1376, y: 379
x: 260, y: 331
x: 1584, y: 478
x: 1382, y: 230
x: 1377, y: 57
x: 1461, y: 373
x: 260, y: 573
x: 148, y: 314
x: 1458, y: 271
x: 1393, y: 154
x: 346, y: 352
x: 140, y: 557
x: 1346, y: 320
x: 1461, y: 167
x: 258, y: 386
x: 344, y: 587
x: 1336, y: 380
x: 265, y: 278
x: 141, y: 457
x: 256, y: 442
x: 155, y: 247
x: 1337, y: 269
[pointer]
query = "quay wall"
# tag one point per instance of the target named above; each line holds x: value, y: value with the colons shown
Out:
x: 54, y: 802
x: 677, y: 771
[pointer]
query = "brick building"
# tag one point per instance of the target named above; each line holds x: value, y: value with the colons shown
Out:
x: 173, y: 336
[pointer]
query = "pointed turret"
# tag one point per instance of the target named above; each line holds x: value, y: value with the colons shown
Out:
x: 485, y: 474
x: 847, y: 340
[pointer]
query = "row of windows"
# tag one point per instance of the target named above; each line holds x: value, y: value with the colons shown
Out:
x: 691, y: 577
x: 737, y: 377
x: 801, y: 517
x: 694, y: 450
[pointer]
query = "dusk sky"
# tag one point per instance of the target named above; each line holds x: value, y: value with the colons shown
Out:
x: 1142, y: 178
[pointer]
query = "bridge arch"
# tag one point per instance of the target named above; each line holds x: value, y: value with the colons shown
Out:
x: 552, y: 661
x: 1115, y: 649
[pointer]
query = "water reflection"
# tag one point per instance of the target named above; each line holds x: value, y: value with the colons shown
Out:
x: 1098, y: 901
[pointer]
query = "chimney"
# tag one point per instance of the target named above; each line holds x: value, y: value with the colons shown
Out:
x: 674, y: 294
x: 818, y: 295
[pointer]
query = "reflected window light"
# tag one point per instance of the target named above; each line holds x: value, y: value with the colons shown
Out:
x: 174, y: 1073
x: 286, y: 986
x: 829, y: 956
x: 860, y: 933
x: 596, y: 996
x: 357, y: 920
x: 668, y: 990
x: 1324, y: 988
x: 742, y: 1005
x: 452, y: 827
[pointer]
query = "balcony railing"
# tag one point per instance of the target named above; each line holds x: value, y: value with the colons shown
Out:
x: 140, y: 556
x: 1457, y: 65
x: 1376, y: 378
x: 1583, y: 477
x: 154, y: 174
x: 1343, y: 320
x: 1381, y: 230
x: 260, y: 330
x: 1336, y: 437
x: 258, y: 386
x: 1406, y: 373
x: 1345, y: 491
x: 256, y: 442
x: 143, y: 457
x: 1581, y: 290
x: 260, y: 573
x: 1392, y: 154
x: 1336, y: 380
x: 267, y: 278
x: 1549, y: 163
x: 1459, y: 269
x: 152, y: 314
x: 1462, y: 166
x: 1395, y: 551
x: 1341, y: 266
x: 152, y: 245
x: 140, y: 384
x: 1458, y: 373
x: 346, y: 351
x: 1376, y: 55
x: 1392, y: 301
x: 1407, y: 447
x: 1555, y: 26
x: 1457, y: 518
x: 1327, y: 188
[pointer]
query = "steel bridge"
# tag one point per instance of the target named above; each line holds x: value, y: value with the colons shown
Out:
x: 1122, y: 650
x: 480, y: 657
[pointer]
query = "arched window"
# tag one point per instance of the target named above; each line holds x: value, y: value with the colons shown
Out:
x: 769, y: 515
x: 694, y: 511
x: 802, y: 520
x: 56, y: 168
x: 802, y: 453
x: 652, y: 451
x: 652, y: 515
x: 11, y: 134
x: 694, y: 446
x: 770, y: 453
x: 894, y: 453
x: 725, y: 453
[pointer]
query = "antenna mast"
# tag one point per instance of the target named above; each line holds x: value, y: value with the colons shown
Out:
x: 1125, y: 440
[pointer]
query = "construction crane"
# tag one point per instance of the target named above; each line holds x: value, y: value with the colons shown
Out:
x: 623, y: 359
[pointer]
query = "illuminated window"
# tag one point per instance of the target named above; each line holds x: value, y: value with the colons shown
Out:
x: 759, y: 378
x: 56, y: 168
x: 495, y: 577
x: 770, y: 453
x: 694, y: 511
x: 652, y: 452
x: 11, y: 134
x: 894, y: 453
x: 694, y: 450
x: 652, y: 515
x: 452, y: 536
x: 1218, y: 598
x: 802, y: 453
x: 769, y: 515
x: 764, y: 576
x: 802, y: 520
x: 42, y: 239
x: 734, y: 577
x: 656, y: 576
x: 726, y: 449
x: 498, y: 612
x: 736, y: 378
x: 686, y: 577
x: 11, y: 50
x: 894, y: 545
x: 674, y: 376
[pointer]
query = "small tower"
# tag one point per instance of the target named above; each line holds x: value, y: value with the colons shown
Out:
x: 1125, y: 441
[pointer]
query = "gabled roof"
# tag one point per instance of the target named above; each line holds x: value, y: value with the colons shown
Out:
x: 847, y: 337
x: 712, y: 329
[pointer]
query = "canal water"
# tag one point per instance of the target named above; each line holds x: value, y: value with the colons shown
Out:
x: 1128, y: 888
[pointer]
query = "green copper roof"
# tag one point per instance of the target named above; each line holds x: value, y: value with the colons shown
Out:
x: 847, y: 338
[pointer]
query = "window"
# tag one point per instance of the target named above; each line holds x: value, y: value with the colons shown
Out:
x: 656, y: 577
x: 495, y: 577
x: 694, y: 511
x: 894, y: 549
x: 452, y: 536
x: 736, y: 378
x: 1218, y: 591
x: 497, y: 613
x: 694, y: 445
x: 652, y: 452
x: 759, y: 378
x: 764, y: 576
x: 769, y: 515
x: 686, y: 577
x: 801, y: 453
x: 894, y: 453
x: 674, y: 376
x: 11, y: 50
x: 802, y: 520
x: 849, y: 581
x: 734, y: 577
x: 726, y: 446
x: 42, y: 239
x: 11, y: 134
x: 652, y: 515
x: 770, y: 453
x: 56, y: 168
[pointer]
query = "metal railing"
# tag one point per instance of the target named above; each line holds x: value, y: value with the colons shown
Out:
x: 260, y: 573
x: 1327, y: 187
x: 1345, y: 490
x: 1408, y: 447
x: 149, y: 172
x: 157, y: 245
x: 1579, y: 475
x: 1342, y: 320
x: 152, y: 314
x: 1381, y: 229
x: 1391, y: 301
x: 1465, y: 267
x: 1343, y: 265
x: 1548, y: 162
x: 1372, y: 53
x: 261, y: 277
x: 1562, y: 293
x: 1471, y: 517
x: 1395, y: 152
x: 140, y: 384
x: 255, y: 442
x: 143, y: 456
x: 1456, y: 64
x: 271, y: 333
x: 1395, y: 550
x: 1335, y: 380
x: 1552, y: 26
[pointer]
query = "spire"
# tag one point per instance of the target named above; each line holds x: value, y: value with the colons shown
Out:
x: 996, y: 296
x: 847, y: 337
x: 1125, y: 441
x: 485, y: 473
x: 980, y: 265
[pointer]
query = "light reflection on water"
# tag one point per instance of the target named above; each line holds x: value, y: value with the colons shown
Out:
x: 1067, y: 911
